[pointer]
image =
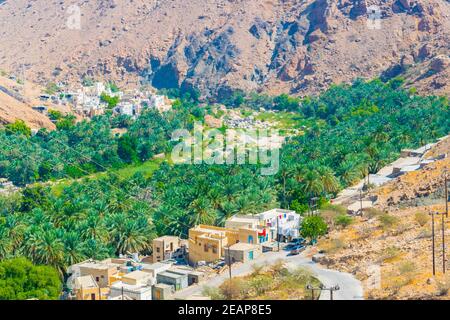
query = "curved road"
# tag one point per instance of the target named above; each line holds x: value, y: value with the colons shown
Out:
x: 350, y: 287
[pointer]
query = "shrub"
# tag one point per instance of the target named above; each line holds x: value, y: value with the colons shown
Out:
x: 407, y: 267
x: 372, y: 213
x: 20, y: 280
x: 365, y: 232
x: 421, y: 218
x: 313, y: 227
x: 389, y: 254
x: 343, y: 221
x: 387, y: 221
x: 18, y: 127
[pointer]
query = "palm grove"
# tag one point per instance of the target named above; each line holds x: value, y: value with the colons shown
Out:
x: 357, y: 129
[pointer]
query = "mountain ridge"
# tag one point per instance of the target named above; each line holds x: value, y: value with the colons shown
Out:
x: 217, y: 46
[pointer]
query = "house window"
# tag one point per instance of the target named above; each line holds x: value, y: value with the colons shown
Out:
x: 157, y: 250
x: 205, y: 248
x: 92, y: 296
x: 97, y: 279
x: 214, y: 249
x: 103, y: 277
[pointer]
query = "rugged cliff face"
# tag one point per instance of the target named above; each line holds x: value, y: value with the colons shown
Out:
x: 219, y: 45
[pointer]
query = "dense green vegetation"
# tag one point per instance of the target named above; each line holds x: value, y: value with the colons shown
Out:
x: 20, y: 280
x: 93, y: 218
x: 86, y: 147
x: 355, y: 129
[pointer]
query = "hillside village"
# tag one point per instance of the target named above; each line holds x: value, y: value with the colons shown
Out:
x: 97, y: 98
x: 178, y: 263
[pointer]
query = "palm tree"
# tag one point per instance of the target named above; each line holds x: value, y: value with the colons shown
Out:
x: 72, y: 248
x: 128, y: 235
x: 202, y: 211
x: 328, y: 179
x: 6, y: 243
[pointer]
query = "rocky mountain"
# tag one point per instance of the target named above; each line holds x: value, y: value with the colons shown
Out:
x: 274, y: 46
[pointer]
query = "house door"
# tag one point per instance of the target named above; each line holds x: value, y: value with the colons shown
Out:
x: 250, y: 239
x: 250, y: 255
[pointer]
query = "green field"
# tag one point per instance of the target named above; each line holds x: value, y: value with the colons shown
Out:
x: 146, y: 168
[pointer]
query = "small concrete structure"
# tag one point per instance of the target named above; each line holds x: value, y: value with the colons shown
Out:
x: 155, y: 268
x: 138, y: 278
x: 242, y: 252
x: 193, y: 276
x: 135, y: 292
x: 178, y: 281
x: 162, y: 291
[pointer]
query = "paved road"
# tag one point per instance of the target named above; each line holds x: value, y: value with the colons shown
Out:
x: 350, y: 288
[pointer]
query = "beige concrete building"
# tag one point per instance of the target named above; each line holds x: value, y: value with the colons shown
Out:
x: 206, y: 243
x: 86, y: 288
x: 103, y: 273
x: 168, y: 247
x: 242, y: 252
x: 138, y: 278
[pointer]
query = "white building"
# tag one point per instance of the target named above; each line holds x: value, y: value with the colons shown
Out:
x: 135, y: 292
x: 159, y: 102
x: 288, y: 222
x: 155, y: 268
x: 137, y: 285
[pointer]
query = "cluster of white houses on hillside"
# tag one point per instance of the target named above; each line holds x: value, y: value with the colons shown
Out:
x: 175, y: 263
x: 87, y: 100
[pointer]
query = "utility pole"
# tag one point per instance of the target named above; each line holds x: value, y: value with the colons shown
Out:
x: 229, y: 262
x: 446, y: 194
x: 443, y: 243
x: 432, y: 235
x: 322, y: 288
x: 360, y: 201
x: 278, y: 233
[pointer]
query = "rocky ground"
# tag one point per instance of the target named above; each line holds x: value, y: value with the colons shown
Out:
x: 17, y: 100
x: 273, y: 46
x: 389, y: 248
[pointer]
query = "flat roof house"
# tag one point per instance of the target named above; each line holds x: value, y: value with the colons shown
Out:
x: 135, y: 292
x: 86, y: 288
x: 168, y: 247
x: 101, y: 272
x: 206, y: 243
x: 162, y: 291
x: 288, y: 222
x: 155, y: 268
x: 138, y: 278
x: 242, y: 252
x: 178, y: 281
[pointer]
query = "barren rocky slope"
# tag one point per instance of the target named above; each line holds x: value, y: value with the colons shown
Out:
x: 216, y: 45
x: 17, y: 100
x: 389, y: 248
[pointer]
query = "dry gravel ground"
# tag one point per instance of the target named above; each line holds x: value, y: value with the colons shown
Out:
x: 395, y: 238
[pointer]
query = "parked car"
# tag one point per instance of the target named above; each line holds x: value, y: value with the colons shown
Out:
x: 298, y: 241
x: 296, y: 250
